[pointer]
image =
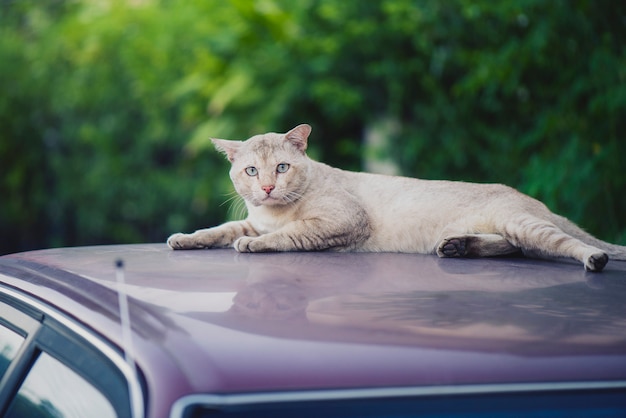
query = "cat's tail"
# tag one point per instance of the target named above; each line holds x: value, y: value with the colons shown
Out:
x: 615, y: 252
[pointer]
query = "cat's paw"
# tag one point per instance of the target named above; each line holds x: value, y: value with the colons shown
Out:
x: 243, y: 245
x: 452, y: 247
x: 180, y: 241
x: 596, y: 262
x: 174, y: 241
x: 261, y: 244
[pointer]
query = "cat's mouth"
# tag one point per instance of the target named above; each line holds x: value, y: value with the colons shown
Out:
x: 275, y: 198
x: 268, y: 200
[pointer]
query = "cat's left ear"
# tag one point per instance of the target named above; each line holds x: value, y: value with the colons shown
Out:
x: 227, y: 147
x: 299, y: 136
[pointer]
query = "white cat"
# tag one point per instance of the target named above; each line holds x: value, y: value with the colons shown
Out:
x: 297, y: 204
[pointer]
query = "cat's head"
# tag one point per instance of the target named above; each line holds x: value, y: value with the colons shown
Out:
x: 270, y: 169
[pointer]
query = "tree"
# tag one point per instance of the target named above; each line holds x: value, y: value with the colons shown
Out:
x: 108, y: 107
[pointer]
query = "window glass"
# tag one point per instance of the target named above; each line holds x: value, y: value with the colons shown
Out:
x: 53, y: 390
x: 10, y: 342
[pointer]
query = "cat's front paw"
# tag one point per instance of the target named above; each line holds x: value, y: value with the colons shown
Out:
x: 244, y: 245
x: 180, y: 241
x: 255, y: 245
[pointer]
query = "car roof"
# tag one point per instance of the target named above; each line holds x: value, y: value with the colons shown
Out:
x: 217, y: 321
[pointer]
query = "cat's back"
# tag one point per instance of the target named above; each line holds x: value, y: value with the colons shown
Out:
x: 394, y: 191
x: 397, y: 191
x: 408, y: 214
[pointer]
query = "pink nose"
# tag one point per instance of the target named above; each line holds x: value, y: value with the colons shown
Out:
x: 268, y: 189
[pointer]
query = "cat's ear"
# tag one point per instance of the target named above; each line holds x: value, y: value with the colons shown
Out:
x: 227, y: 147
x: 299, y: 136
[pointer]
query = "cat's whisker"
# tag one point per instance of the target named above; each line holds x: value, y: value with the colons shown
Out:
x: 237, y: 207
x: 292, y: 197
x: 231, y: 199
x: 232, y: 195
x: 241, y: 210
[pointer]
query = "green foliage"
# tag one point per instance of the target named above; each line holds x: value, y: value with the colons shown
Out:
x: 107, y: 107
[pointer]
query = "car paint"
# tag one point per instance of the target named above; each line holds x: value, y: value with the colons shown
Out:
x: 219, y: 324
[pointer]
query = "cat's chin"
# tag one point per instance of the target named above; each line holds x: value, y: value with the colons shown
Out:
x: 268, y: 201
x: 272, y: 201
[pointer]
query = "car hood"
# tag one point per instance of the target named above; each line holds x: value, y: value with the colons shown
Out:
x: 233, y: 323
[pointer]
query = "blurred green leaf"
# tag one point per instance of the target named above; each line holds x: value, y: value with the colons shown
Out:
x: 108, y: 107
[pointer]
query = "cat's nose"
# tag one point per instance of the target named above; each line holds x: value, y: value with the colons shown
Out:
x: 267, y: 189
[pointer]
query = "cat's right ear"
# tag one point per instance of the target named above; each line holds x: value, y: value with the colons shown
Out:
x: 227, y: 147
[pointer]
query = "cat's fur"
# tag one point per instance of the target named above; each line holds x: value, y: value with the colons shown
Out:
x: 297, y: 204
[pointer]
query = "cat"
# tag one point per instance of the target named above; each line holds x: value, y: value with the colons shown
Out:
x: 297, y: 204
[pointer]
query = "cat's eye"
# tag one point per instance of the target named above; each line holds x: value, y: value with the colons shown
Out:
x: 282, y: 167
x: 251, y: 171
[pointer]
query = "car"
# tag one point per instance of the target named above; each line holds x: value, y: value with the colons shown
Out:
x: 143, y: 331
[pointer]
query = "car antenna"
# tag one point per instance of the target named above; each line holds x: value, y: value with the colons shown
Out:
x: 136, y: 403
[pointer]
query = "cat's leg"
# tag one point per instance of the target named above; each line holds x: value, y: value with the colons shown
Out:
x: 283, y: 240
x: 535, y: 236
x: 474, y: 245
x: 309, y: 235
x: 222, y: 236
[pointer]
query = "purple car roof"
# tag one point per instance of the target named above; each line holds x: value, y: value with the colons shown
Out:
x: 221, y: 322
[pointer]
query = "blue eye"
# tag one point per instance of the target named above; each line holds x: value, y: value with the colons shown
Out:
x: 251, y: 171
x: 282, y: 167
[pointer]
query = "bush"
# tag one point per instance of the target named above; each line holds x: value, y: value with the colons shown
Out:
x: 107, y: 108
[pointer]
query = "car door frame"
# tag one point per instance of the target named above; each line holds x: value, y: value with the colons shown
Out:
x: 48, y: 330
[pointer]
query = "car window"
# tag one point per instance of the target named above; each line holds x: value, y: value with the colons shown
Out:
x: 53, y: 390
x: 10, y: 342
x: 51, y: 367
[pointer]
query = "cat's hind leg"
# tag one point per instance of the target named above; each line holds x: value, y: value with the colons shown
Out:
x: 475, y: 245
x: 539, y: 237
